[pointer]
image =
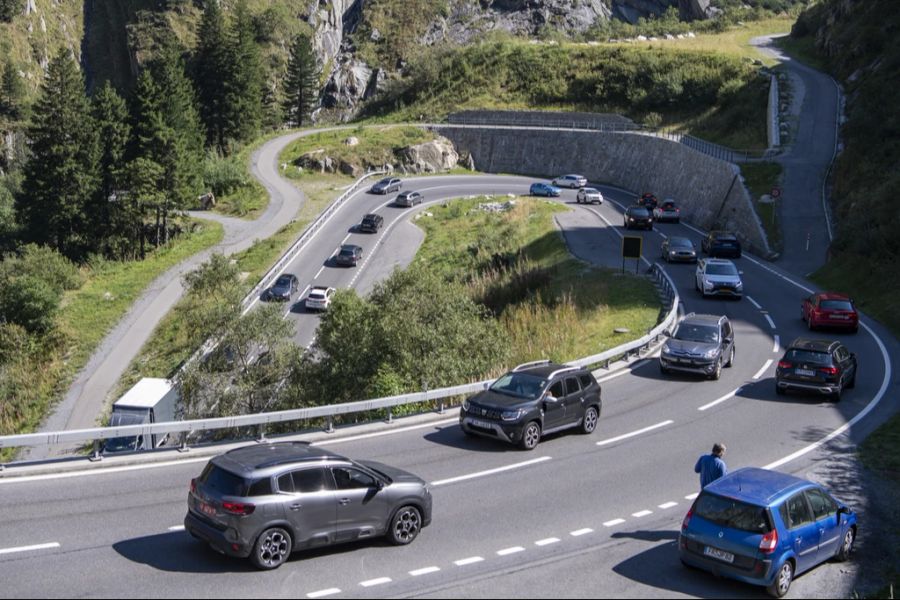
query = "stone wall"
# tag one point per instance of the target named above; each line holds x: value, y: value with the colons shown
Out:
x: 709, y: 191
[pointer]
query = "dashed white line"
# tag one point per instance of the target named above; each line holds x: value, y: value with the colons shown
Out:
x: 668, y: 505
x: 424, y: 571
x: 727, y: 396
x: 347, y: 237
x: 177, y: 528
x: 29, y: 548
x: 771, y: 322
x: 508, y: 551
x: 580, y: 532
x: 634, y: 433
x: 546, y: 541
x: 322, y: 268
x: 378, y: 581
x: 777, y: 346
x: 641, y: 513
x: 765, y: 368
x: 692, y: 496
x: 754, y: 302
x: 614, y: 522
x: 491, y: 471
x: 468, y: 561
x: 323, y: 593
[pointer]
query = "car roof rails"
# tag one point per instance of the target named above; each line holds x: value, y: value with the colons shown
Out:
x: 562, y: 370
x: 534, y: 363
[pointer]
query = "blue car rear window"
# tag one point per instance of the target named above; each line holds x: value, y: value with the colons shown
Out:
x: 731, y: 513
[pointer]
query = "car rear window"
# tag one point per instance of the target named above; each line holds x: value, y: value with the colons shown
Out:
x: 224, y: 482
x: 836, y: 305
x: 731, y: 513
x: 808, y: 356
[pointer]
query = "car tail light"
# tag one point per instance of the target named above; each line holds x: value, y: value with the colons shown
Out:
x: 769, y: 542
x: 829, y: 370
x: 238, y: 508
x: 785, y: 364
x: 687, y: 519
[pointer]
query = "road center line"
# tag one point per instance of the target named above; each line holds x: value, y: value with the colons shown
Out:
x: 322, y: 268
x: 614, y: 522
x: 468, y: 561
x: 771, y: 322
x: 424, y: 571
x: 323, y: 593
x: 692, y: 496
x: 378, y: 581
x: 491, y: 471
x: 508, y: 551
x: 765, y: 367
x: 727, y: 396
x: 754, y: 302
x: 177, y: 528
x: 634, y: 433
x: 642, y: 513
x: 777, y: 346
x: 580, y: 532
x: 546, y: 541
x: 668, y: 505
x: 29, y: 548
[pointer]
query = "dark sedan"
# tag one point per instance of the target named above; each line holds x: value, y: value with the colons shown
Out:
x: 349, y: 255
x: 284, y: 288
x: 678, y: 249
x: 637, y: 217
x: 722, y: 244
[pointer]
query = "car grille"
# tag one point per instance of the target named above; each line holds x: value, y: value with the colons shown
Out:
x: 480, y: 412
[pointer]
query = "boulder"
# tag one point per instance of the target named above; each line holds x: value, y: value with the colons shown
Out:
x: 316, y: 160
x: 350, y: 169
x: 429, y: 157
x: 352, y: 141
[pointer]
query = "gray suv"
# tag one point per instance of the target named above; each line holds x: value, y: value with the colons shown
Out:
x: 267, y: 500
x: 701, y: 344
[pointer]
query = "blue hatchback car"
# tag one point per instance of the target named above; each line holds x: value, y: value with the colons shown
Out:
x: 764, y: 527
x: 544, y: 189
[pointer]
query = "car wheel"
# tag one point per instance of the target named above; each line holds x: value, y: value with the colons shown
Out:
x: 809, y: 324
x: 852, y: 383
x: 779, y: 390
x: 836, y: 396
x: 272, y: 548
x: 405, y: 526
x: 717, y: 373
x: 843, y: 553
x: 589, y: 422
x: 664, y: 369
x: 783, y: 579
x: 531, y: 435
x: 730, y: 358
x: 855, y: 329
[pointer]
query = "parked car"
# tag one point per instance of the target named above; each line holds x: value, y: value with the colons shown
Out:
x: 408, y: 199
x: 319, y: 297
x: 387, y: 185
x: 721, y: 243
x: 371, y: 223
x: 828, y: 309
x: 818, y: 366
x: 764, y: 528
x: 531, y: 401
x: 265, y: 501
x: 283, y: 289
x: 570, y: 181
x: 678, y: 249
x: 349, y: 255
x: 589, y: 195
x: 718, y: 277
x: 648, y: 201
x: 544, y: 189
x: 668, y: 211
x: 638, y: 217
x: 701, y: 344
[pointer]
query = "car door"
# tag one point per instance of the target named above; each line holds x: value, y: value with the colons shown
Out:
x: 574, y: 401
x: 806, y: 307
x: 727, y: 338
x: 828, y: 522
x: 803, y: 531
x: 555, y: 410
x: 843, y: 358
x: 362, y: 504
x: 309, y: 505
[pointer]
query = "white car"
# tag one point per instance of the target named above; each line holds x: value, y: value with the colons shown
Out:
x: 319, y: 297
x: 718, y: 277
x: 570, y: 181
x: 589, y: 196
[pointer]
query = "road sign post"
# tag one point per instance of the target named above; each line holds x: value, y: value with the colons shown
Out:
x: 631, y: 248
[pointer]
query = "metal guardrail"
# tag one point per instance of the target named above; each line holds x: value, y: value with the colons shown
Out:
x: 185, y: 428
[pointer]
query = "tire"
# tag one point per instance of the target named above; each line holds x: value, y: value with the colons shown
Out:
x: 843, y: 553
x: 730, y: 362
x: 852, y: 383
x: 589, y: 422
x: 405, y: 526
x: 272, y: 548
x: 783, y: 579
x: 836, y: 397
x: 855, y: 330
x: 531, y: 435
x: 664, y: 369
x: 809, y: 324
x: 715, y: 375
x: 779, y: 390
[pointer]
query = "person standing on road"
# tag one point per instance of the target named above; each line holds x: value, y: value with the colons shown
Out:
x: 711, y: 466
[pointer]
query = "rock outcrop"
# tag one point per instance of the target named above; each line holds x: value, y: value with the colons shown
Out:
x: 435, y: 156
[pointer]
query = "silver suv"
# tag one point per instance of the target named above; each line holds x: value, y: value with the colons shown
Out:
x: 267, y: 500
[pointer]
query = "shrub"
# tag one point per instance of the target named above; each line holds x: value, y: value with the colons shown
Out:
x: 224, y: 175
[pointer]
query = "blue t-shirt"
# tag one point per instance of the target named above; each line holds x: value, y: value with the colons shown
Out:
x: 710, y: 467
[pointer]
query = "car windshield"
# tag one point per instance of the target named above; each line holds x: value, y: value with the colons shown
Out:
x: 677, y: 242
x: 385, y: 181
x: 721, y: 270
x: 731, y: 513
x: 638, y: 212
x: 692, y: 332
x: 836, y: 305
x: 520, y: 385
x: 808, y: 356
x: 283, y: 281
x: 346, y: 251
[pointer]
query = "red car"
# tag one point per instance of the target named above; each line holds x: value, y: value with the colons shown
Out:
x: 828, y: 309
x: 648, y: 201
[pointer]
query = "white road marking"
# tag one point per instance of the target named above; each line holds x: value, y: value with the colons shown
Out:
x: 642, y: 513
x: 508, y: 551
x: 777, y: 346
x: 727, y: 396
x: 468, y: 561
x: 378, y: 581
x: 615, y: 229
x: 323, y: 593
x: 580, y: 532
x: 29, y: 548
x: 668, y: 505
x: 491, y: 471
x: 765, y: 368
x: 546, y: 541
x: 634, y: 433
x: 614, y: 522
x: 322, y: 268
x: 366, y: 436
x: 424, y: 571
x: 625, y: 371
x: 177, y: 528
x: 347, y: 237
x: 692, y: 496
x: 104, y: 471
x: 771, y: 322
x: 754, y: 302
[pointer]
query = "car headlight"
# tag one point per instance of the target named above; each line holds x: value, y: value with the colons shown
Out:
x: 666, y: 350
x: 465, y: 405
x: 740, y: 285
x: 707, y: 284
x: 711, y: 353
x: 511, y: 415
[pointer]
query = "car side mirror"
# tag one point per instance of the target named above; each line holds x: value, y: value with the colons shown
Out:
x: 551, y: 398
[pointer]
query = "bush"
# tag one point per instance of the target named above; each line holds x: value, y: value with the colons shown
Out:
x: 29, y: 302
x: 224, y: 175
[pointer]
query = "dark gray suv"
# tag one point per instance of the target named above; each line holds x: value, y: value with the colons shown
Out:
x: 532, y: 400
x: 701, y: 344
x: 267, y: 500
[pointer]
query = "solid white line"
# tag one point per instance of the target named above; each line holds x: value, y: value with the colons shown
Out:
x: 765, y: 367
x: 424, y: 571
x: 177, y: 528
x: 378, y: 581
x: 508, y: 551
x: 614, y: 229
x: 771, y: 322
x: 546, y: 541
x: 777, y: 346
x: 642, y: 513
x: 692, y: 496
x: 634, y: 433
x: 754, y: 302
x: 727, y: 396
x: 468, y: 561
x: 491, y: 471
x: 321, y: 593
x: 580, y: 532
x: 614, y: 522
x: 625, y: 371
x: 668, y: 505
x: 29, y: 548
x: 109, y: 471
x: 366, y: 436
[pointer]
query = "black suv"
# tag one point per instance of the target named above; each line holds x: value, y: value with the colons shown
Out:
x: 701, y: 344
x: 371, y: 223
x: 818, y: 366
x: 532, y: 400
x: 721, y: 244
x: 638, y: 216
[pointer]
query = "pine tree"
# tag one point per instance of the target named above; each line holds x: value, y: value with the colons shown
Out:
x: 244, y: 86
x: 12, y: 92
x: 211, y: 69
x: 111, y: 117
x: 301, y: 85
x: 61, y: 176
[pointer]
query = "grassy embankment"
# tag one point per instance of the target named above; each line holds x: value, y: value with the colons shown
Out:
x: 760, y: 178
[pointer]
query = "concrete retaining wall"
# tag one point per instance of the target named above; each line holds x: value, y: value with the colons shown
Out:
x: 708, y: 190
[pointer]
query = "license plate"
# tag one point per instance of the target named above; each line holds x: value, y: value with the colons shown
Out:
x: 206, y: 509
x: 839, y: 317
x: 719, y: 554
x: 482, y: 424
x: 805, y: 372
